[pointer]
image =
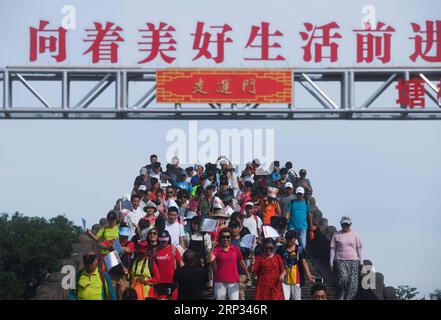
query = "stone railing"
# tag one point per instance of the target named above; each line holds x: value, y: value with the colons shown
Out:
x: 51, y: 288
x: 320, y: 248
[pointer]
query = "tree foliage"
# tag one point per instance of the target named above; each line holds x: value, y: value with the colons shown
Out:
x: 405, y: 292
x: 435, y: 295
x: 30, y: 248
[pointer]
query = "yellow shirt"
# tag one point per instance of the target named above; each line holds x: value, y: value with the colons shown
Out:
x: 138, y: 272
x: 90, y: 287
x: 108, y: 234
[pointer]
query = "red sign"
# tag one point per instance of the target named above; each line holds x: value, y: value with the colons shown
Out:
x: 320, y: 43
x: 223, y: 86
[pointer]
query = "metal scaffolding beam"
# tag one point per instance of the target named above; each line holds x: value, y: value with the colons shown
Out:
x: 123, y: 103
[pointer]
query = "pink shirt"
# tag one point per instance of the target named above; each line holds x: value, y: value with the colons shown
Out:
x: 226, y: 264
x: 345, y: 245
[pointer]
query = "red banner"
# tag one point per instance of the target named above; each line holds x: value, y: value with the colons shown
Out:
x: 223, y: 86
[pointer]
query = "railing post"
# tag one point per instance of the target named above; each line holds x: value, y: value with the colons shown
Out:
x: 118, y: 91
x: 6, y: 91
x: 351, y: 89
x: 65, y: 91
x: 124, y: 90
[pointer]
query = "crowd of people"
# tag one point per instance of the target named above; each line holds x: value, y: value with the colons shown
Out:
x: 182, y: 232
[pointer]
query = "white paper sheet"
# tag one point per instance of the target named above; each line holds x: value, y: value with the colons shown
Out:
x: 247, y: 241
x: 270, y: 232
x: 209, y: 225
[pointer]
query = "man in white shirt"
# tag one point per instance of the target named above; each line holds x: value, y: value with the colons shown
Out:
x: 251, y: 221
x: 136, y: 213
x: 147, y: 198
x: 175, y: 229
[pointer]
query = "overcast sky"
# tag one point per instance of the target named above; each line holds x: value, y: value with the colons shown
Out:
x: 386, y: 175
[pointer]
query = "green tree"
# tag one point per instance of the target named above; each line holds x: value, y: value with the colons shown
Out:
x: 405, y: 292
x: 30, y: 248
x: 435, y: 295
x: 12, y: 287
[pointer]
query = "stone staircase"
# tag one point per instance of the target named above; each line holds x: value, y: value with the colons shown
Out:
x: 318, y: 260
x: 329, y: 284
x: 317, y: 255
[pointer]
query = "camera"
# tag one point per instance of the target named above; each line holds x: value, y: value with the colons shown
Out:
x: 319, y: 280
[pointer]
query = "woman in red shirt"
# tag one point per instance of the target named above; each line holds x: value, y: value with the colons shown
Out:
x: 270, y: 272
x: 225, y: 259
x: 168, y: 259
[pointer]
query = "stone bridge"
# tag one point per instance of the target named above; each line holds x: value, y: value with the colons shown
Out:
x: 318, y: 257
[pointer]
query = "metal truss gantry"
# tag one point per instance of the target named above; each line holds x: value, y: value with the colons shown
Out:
x: 145, y: 106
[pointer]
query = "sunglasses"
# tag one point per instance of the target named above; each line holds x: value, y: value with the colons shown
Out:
x: 169, y: 192
x: 226, y: 237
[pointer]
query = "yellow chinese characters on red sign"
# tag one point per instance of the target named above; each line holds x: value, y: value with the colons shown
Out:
x: 223, y: 86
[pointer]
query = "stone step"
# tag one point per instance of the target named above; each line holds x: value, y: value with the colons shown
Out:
x: 330, y: 287
x: 249, y: 292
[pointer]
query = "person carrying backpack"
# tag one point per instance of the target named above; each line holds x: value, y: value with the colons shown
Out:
x: 299, y: 216
x: 120, y: 274
x: 167, y: 259
x: 200, y: 243
x: 145, y: 272
x: 190, y: 278
x: 296, y: 267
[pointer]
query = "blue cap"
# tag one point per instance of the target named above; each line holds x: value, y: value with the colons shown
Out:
x: 124, y: 231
